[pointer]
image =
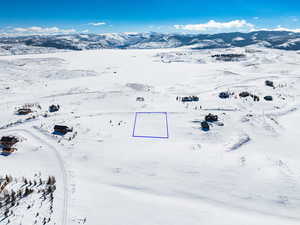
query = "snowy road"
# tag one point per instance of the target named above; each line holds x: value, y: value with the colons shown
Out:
x: 45, y: 141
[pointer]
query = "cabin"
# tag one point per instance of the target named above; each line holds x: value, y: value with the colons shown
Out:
x: 24, y: 111
x: 269, y: 83
x: 62, y: 129
x: 190, y: 99
x: 244, y: 94
x: 205, y: 126
x: 224, y: 95
x: 211, y: 118
x: 54, y: 108
x: 8, y: 151
x: 140, y: 99
x: 8, y: 141
x: 268, y: 98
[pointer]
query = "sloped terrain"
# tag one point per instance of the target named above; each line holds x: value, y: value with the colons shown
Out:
x: 243, y: 170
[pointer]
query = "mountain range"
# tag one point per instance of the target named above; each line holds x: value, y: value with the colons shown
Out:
x: 48, y: 43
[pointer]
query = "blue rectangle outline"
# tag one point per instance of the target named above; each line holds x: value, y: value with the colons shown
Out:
x: 159, y: 137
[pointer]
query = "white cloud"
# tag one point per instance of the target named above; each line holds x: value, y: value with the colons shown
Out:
x: 97, y: 24
x: 214, y: 25
x: 256, y: 18
x: 43, y: 30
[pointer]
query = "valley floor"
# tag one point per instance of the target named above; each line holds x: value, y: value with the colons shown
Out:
x: 246, y: 172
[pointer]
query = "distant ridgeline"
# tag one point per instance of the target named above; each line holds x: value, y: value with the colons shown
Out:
x: 270, y: 39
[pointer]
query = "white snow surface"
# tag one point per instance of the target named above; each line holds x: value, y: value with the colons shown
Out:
x: 246, y: 172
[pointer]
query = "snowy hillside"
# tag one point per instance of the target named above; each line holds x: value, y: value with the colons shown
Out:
x: 136, y: 152
x: 49, y: 43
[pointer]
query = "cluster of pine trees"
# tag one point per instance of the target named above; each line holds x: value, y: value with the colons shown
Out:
x: 11, y: 198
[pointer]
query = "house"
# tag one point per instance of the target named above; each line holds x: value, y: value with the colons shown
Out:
x: 8, y: 141
x: 140, y: 99
x: 190, y: 99
x: 268, y: 98
x: 24, y: 111
x: 205, y: 126
x: 244, y: 94
x: 62, y: 129
x: 195, y: 98
x: 186, y: 99
x: 54, y: 108
x: 8, y: 151
x: 211, y: 118
x: 269, y: 83
x: 223, y: 95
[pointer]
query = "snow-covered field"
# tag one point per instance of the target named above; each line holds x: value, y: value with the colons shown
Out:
x: 246, y: 172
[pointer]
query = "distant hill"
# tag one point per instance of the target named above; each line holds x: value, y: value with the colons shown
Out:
x: 42, y: 44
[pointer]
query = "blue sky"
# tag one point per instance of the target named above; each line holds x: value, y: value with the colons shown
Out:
x: 193, y: 16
